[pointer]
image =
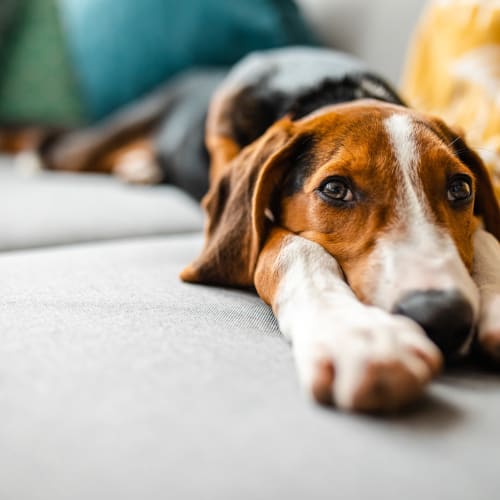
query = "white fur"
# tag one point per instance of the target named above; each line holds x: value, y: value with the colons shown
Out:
x: 320, y: 314
x: 28, y: 163
x: 415, y: 254
x: 138, y: 167
x: 487, y: 277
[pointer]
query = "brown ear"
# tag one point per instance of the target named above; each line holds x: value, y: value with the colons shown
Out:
x: 486, y: 204
x: 236, y: 204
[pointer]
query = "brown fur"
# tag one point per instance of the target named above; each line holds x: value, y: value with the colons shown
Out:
x: 18, y: 138
x: 236, y: 204
x: 348, y: 140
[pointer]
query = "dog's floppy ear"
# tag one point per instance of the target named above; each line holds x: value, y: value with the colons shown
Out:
x: 486, y: 204
x: 236, y: 206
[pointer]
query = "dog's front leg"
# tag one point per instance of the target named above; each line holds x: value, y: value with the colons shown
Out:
x: 486, y: 274
x: 347, y: 353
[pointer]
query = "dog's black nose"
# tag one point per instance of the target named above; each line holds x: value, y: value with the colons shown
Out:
x: 446, y: 316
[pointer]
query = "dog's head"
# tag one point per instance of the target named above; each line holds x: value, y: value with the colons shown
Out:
x: 393, y: 195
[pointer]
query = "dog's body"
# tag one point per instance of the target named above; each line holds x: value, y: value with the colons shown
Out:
x: 356, y: 220
x: 159, y: 138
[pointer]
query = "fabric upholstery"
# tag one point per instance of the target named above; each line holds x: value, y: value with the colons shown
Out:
x: 48, y: 208
x: 117, y: 381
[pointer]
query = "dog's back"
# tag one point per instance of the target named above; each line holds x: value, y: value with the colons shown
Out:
x: 265, y: 86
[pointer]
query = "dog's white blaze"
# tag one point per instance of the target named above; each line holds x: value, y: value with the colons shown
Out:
x: 411, y: 195
x: 415, y: 254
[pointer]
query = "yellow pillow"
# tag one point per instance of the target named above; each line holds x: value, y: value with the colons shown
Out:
x: 453, y: 71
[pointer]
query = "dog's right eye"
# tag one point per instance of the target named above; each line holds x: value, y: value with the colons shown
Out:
x: 336, y: 189
x: 459, y: 189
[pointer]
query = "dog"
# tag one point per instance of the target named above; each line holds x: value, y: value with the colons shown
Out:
x: 157, y: 139
x: 370, y: 229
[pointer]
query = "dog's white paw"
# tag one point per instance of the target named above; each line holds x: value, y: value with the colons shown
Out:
x: 367, y: 361
x: 489, y: 325
x: 138, y: 167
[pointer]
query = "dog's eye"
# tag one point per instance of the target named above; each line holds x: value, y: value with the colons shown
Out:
x: 337, y: 189
x: 459, y: 189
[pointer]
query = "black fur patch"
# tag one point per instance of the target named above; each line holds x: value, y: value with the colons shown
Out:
x: 258, y: 106
x: 301, y: 167
x: 349, y: 88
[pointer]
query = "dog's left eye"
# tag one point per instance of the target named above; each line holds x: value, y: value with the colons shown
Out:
x: 337, y: 189
x: 459, y: 189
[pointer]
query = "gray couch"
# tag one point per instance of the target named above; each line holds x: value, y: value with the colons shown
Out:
x: 117, y: 381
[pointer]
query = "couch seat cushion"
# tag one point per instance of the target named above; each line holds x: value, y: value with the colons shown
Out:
x: 52, y: 208
x: 119, y: 381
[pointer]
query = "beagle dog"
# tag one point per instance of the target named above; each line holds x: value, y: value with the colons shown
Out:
x: 370, y: 229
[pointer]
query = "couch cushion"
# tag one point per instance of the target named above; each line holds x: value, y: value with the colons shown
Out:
x: 118, y: 381
x: 377, y: 31
x: 49, y: 208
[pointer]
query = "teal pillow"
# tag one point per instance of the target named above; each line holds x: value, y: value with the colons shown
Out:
x: 122, y: 49
x: 7, y: 13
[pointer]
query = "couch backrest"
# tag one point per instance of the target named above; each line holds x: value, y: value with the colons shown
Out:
x: 378, y: 31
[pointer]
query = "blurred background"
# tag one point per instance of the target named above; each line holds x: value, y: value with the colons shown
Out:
x: 74, y: 61
x: 71, y: 63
